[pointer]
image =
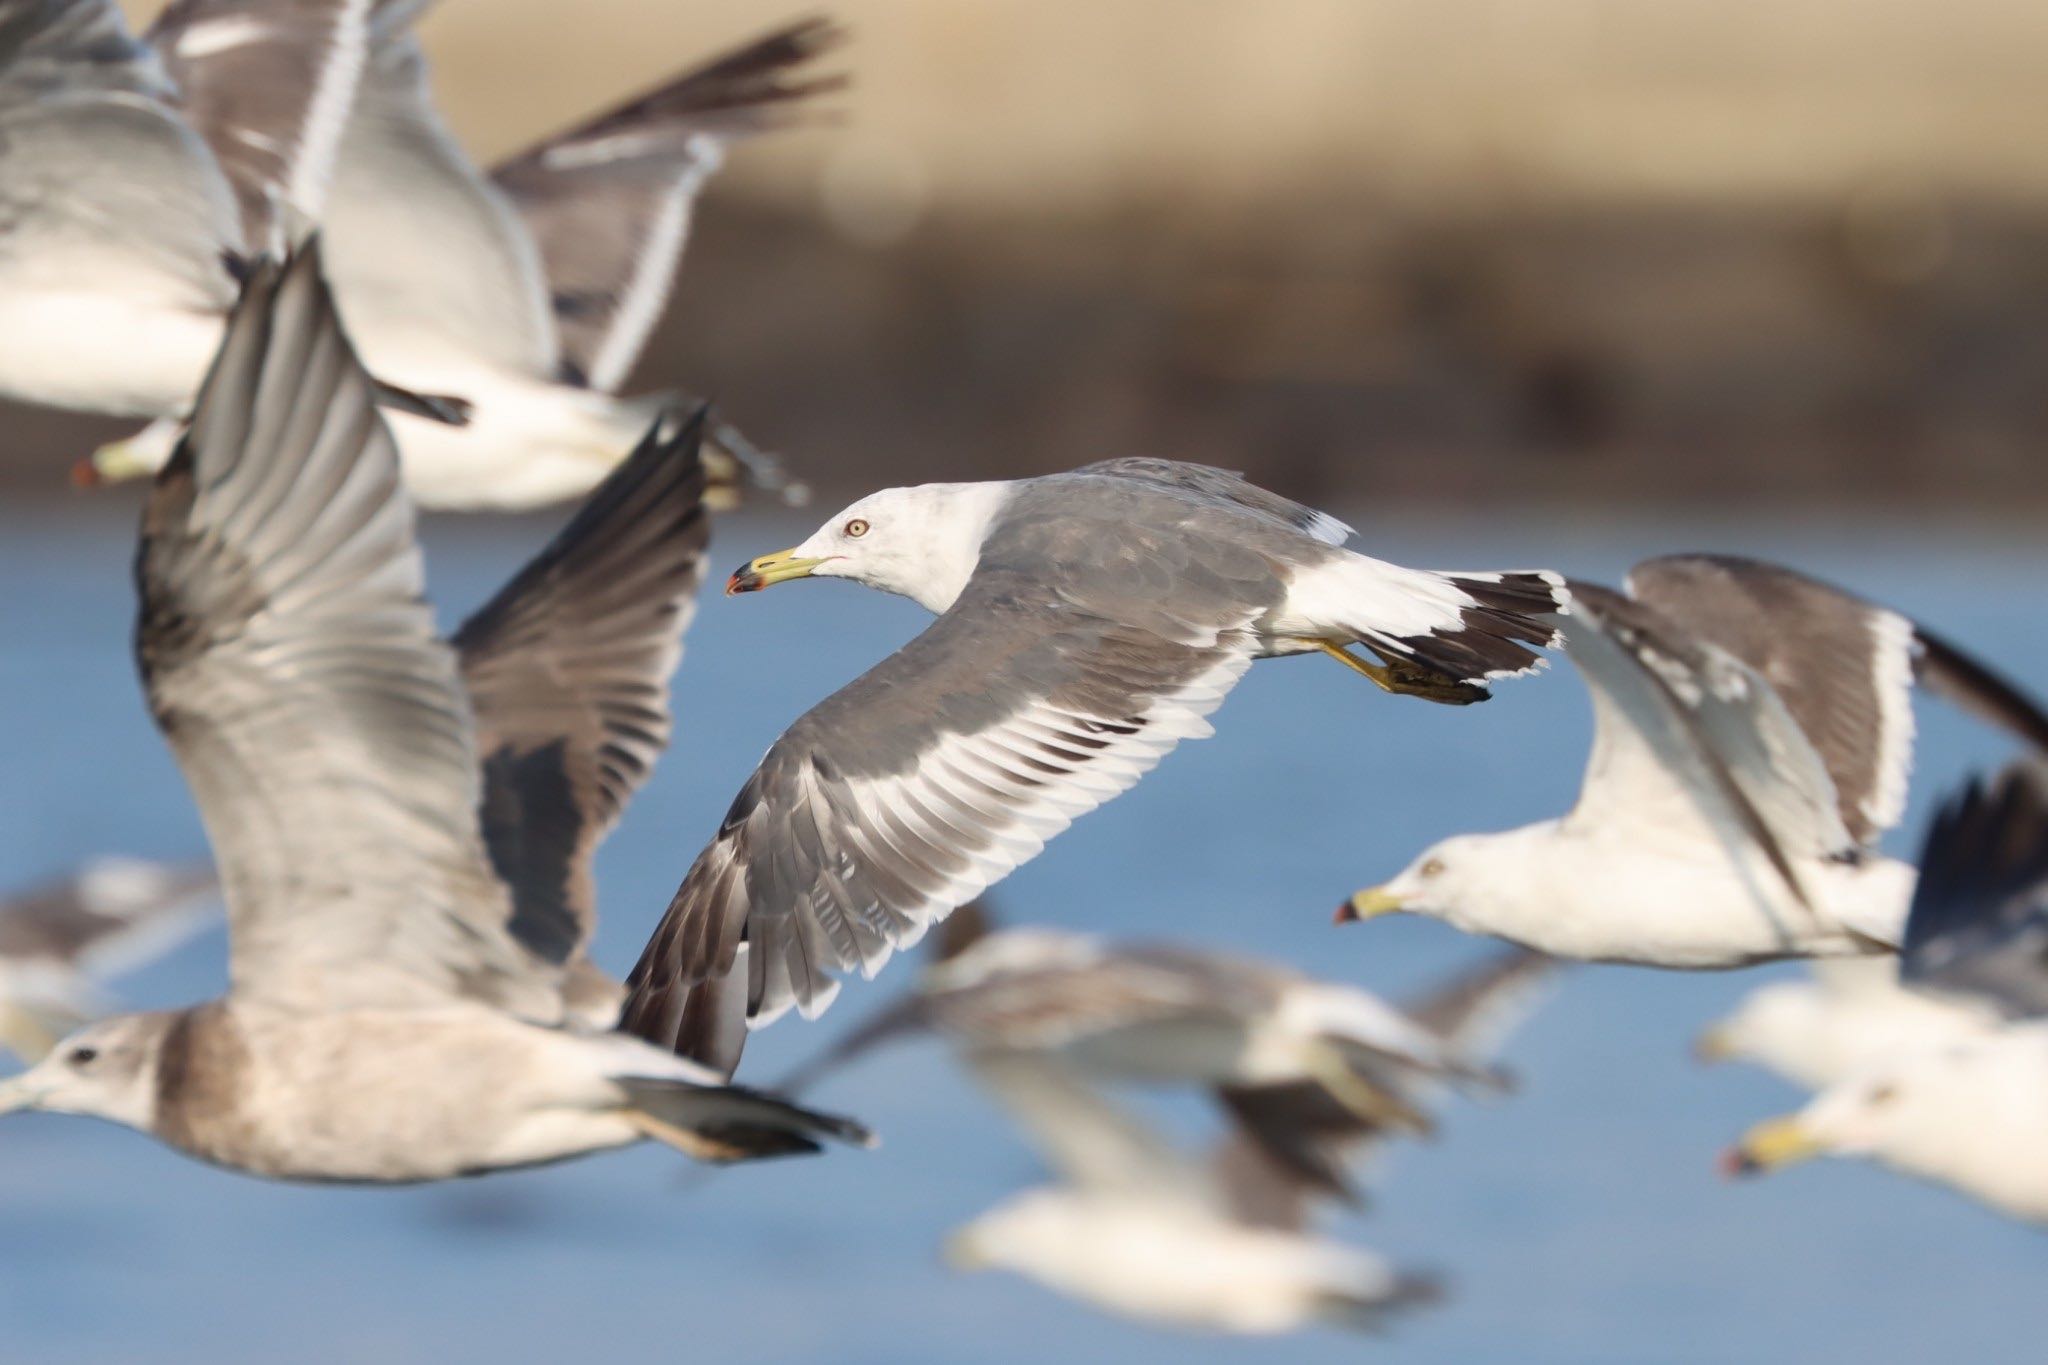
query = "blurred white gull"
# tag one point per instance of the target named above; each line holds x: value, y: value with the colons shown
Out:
x: 1843, y: 1016
x: 403, y: 828
x: 59, y: 942
x: 1753, y: 737
x: 1139, y: 1228
x: 529, y: 293
x: 135, y: 175
x: 1969, y: 1112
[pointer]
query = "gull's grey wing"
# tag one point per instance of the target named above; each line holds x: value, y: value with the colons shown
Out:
x: 419, y: 242
x: 1979, y: 922
x: 1290, y: 1146
x: 290, y: 663
x: 269, y: 85
x: 113, y: 915
x: 1844, y: 668
x: 96, y: 168
x: 1688, y: 736
x: 1224, y: 486
x: 1476, y: 1009
x: 1087, y: 1139
x: 568, y: 672
x: 917, y: 786
x: 609, y: 201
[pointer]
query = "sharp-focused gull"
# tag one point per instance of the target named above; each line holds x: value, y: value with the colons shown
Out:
x: 1842, y: 1017
x: 1308, y: 1070
x: 1753, y: 733
x: 403, y: 832
x: 59, y: 942
x: 135, y: 174
x: 1139, y: 1228
x: 1969, y: 1112
x: 1087, y: 623
x: 527, y: 293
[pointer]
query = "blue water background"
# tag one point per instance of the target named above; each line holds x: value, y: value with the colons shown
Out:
x: 1578, y: 1221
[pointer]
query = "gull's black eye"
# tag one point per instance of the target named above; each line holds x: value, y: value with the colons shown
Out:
x: 857, y: 528
x: 82, y: 1056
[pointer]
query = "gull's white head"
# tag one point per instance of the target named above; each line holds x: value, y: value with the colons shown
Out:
x: 1785, y: 1026
x: 921, y: 543
x: 108, y: 1070
x: 1480, y: 883
x: 1969, y: 1115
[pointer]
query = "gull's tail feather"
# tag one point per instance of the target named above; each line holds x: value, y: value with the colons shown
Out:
x: 1502, y: 621
x: 733, y: 1123
x: 1368, y: 1307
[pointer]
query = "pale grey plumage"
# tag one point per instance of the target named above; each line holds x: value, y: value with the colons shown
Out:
x: 609, y: 201
x: 390, y: 1017
x: 1102, y: 616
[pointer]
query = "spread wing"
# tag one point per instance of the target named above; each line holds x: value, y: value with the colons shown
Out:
x: 609, y: 201
x: 419, y: 242
x: 1225, y: 486
x: 268, y: 84
x: 1088, y: 1140
x: 291, y: 664
x: 1690, y: 742
x: 1979, y: 922
x: 568, y: 671
x: 917, y: 786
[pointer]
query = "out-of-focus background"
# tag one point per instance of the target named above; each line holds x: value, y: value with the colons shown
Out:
x: 1559, y: 281
x: 1500, y: 250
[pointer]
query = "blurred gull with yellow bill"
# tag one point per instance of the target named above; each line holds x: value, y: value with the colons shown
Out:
x: 1971, y: 1111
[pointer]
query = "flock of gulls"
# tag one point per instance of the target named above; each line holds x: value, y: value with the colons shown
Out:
x: 251, y: 227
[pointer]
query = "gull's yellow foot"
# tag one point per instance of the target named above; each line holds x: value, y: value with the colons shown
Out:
x: 1405, y: 677
x: 1371, y: 1103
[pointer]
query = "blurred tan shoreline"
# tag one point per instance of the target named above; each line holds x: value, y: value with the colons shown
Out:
x: 1569, y: 251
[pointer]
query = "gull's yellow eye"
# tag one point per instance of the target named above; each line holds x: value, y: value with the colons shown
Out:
x: 1884, y: 1094
x: 1432, y: 867
x: 857, y: 528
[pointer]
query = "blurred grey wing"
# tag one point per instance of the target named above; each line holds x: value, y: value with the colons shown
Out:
x: 269, y: 85
x: 1475, y: 1010
x: 1979, y: 921
x: 114, y: 915
x: 1223, y: 486
x: 1088, y: 1140
x: 290, y: 663
x: 79, y: 94
x: 568, y: 671
x: 1687, y: 736
x: 1290, y: 1145
x: 609, y: 201
x: 419, y: 242
x: 917, y: 786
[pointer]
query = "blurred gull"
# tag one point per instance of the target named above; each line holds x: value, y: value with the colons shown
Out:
x: 59, y: 942
x: 1087, y: 623
x: 1139, y: 1228
x: 1753, y: 735
x: 1307, y: 1069
x: 1969, y: 1112
x: 1843, y: 1016
x: 528, y: 293
x: 134, y: 175
x: 402, y: 831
